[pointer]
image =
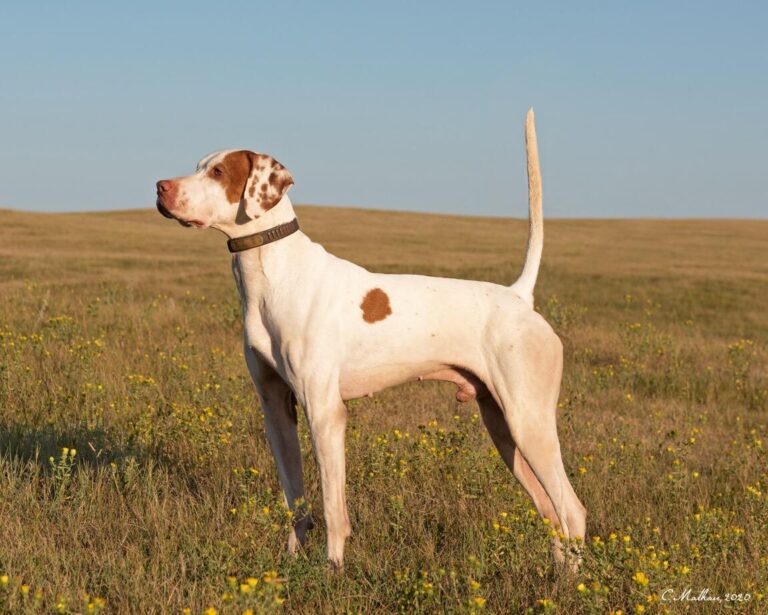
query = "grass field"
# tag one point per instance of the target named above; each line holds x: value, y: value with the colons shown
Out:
x: 135, y: 475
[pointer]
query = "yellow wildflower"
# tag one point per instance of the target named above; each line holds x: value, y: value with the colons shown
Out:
x: 546, y: 603
x: 640, y: 579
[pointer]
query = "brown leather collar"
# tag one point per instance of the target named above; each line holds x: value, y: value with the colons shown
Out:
x: 238, y: 244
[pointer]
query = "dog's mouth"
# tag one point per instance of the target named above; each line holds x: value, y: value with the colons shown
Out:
x: 162, y: 209
x: 167, y: 213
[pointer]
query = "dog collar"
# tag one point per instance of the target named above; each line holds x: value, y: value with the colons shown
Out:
x: 238, y: 244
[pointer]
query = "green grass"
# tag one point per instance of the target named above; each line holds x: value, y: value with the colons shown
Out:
x: 120, y: 337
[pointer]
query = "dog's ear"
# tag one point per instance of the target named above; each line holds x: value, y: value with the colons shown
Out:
x: 266, y: 185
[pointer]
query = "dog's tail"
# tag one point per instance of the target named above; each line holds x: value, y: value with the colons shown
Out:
x: 527, y: 280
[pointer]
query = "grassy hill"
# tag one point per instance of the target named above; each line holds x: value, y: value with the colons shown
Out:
x: 120, y: 338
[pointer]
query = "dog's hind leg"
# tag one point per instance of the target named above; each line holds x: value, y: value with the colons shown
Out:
x: 497, y: 427
x: 526, y: 384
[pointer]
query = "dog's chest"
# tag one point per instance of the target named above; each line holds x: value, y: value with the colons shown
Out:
x: 252, y: 288
x: 274, y: 315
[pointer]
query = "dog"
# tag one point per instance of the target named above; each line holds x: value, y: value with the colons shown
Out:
x: 320, y: 331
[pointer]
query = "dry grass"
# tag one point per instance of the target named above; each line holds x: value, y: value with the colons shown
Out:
x: 120, y: 338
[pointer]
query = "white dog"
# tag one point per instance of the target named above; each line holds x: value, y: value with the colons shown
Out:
x: 320, y: 330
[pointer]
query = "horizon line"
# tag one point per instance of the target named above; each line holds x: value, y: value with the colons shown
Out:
x: 4, y: 209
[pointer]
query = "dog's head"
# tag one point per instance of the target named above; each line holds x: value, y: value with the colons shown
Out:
x: 229, y: 187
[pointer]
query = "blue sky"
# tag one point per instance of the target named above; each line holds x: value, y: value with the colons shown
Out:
x: 644, y: 109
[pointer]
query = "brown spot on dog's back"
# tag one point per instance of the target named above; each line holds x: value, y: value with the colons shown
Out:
x: 375, y: 306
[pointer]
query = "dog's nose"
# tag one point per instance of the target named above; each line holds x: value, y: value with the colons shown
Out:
x: 164, y: 185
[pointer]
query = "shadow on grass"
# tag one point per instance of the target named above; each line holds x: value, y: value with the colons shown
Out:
x: 95, y: 448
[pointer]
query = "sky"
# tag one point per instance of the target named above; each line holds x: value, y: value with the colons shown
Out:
x: 643, y: 109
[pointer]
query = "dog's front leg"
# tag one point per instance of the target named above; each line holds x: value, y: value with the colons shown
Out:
x: 327, y: 416
x: 280, y: 421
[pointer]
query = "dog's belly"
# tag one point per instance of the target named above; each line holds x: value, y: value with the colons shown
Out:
x: 354, y: 384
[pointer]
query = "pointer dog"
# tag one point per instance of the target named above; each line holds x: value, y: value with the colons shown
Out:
x: 320, y: 330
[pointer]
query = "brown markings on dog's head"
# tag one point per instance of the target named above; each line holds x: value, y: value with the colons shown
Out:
x: 270, y: 181
x: 232, y: 173
x: 375, y: 306
x: 237, y: 169
x: 275, y: 180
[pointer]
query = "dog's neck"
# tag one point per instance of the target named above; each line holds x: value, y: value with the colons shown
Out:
x: 243, y: 226
x: 273, y: 265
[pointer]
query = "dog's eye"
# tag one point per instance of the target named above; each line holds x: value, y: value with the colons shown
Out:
x: 217, y: 172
